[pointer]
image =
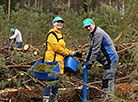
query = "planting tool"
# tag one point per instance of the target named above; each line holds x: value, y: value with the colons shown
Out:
x: 84, y: 99
x: 85, y: 83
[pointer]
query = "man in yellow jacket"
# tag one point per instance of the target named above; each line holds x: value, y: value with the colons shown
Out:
x: 56, y: 51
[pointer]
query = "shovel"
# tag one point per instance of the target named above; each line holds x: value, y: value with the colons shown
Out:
x: 85, y: 83
x: 84, y: 99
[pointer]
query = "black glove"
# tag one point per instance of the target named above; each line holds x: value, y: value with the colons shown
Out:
x: 78, y: 54
x: 89, y: 66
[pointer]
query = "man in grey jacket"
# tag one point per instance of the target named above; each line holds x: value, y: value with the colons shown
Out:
x: 101, y: 49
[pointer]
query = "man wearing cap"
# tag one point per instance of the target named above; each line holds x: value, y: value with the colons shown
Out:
x: 101, y: 49
x: 17, y: 36
x: 56, y: 51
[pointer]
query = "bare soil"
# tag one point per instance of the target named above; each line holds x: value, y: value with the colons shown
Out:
x: 123, y: 91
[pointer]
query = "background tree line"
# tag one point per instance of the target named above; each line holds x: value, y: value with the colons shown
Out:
x: 34, y: 17
x: 72, y: 4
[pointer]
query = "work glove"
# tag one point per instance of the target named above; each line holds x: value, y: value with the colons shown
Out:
x: 89, y: 66
x: 73, y: 53
x: 67, y: 54
x: 77, y: 54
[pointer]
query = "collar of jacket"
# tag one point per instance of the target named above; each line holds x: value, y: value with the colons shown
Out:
x: 92, y: 33
x: 54, y: 30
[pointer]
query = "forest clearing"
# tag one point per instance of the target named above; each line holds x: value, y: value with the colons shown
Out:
x: 34, y: 19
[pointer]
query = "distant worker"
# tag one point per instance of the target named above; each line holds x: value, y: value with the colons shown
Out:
x: 101, y: 49
x: 17, y: 36
x: 56, y: 51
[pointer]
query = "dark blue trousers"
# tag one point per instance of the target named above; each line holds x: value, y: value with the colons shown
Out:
x: 47, y: 90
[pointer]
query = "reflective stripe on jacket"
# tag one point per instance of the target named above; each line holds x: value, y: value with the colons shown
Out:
x: 101, y: 48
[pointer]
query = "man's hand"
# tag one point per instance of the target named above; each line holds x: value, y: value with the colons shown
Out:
x: 78, y: 55
x: 89, y: 66
x: 67, y: 54
x: 73, y: 53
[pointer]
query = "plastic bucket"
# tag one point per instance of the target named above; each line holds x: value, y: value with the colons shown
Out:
x: 71, y: 63
x: 44, y: 75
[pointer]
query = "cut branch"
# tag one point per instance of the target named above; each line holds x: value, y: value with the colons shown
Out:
x: 10, y: 90
x: 120, y: 35
x: 18, y: 66
x: 35, y: 60
x: 34, y: 48
x: 71, y: 41
x: 125, y: 49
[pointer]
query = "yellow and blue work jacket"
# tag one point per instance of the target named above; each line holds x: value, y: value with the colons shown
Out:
x: 56, y: 49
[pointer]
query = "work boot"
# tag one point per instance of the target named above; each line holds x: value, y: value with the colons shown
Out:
x: 54, y: 98
x: 45, y: 98
x: 103, y: 95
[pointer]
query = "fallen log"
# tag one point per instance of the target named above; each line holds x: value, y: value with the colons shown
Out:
x: 35, y: 53
x: 26, y: 47
x: 34, y: 48
x: 8, y: 48
x: 18, y: 66
x: 29, y: 65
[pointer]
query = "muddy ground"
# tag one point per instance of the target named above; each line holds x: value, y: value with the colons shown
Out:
x: 124, y: 91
